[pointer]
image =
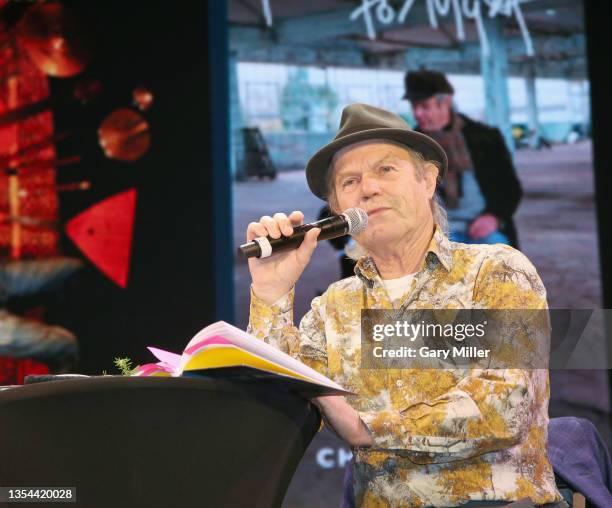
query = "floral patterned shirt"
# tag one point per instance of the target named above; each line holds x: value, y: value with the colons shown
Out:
x: 442, y: 437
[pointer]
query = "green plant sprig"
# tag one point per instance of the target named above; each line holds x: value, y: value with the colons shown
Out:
x: 125, y: 366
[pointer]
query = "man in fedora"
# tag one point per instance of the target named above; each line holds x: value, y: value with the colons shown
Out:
x: 420, y: 437
x: 480, y: 189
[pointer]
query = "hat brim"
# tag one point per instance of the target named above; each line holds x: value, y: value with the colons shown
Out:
x: 318, y: 165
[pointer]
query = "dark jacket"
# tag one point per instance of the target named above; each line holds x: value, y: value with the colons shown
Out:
x: 495, y: 174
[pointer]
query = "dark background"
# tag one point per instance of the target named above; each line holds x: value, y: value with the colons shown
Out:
x: 177, y: 282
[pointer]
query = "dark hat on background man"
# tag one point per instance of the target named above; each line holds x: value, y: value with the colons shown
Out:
x: 421, y: 85
x: 361, y: 122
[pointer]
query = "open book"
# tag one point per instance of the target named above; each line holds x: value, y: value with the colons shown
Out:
x: 224, y: 351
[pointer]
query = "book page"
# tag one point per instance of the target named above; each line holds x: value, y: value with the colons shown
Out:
x: 259, y: 348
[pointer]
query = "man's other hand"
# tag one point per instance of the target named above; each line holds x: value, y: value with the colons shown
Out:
x: 483, y: 226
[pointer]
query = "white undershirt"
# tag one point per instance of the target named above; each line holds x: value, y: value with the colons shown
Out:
x: 396, y: 288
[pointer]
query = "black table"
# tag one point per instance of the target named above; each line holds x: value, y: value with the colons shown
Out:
x: 168, y: 442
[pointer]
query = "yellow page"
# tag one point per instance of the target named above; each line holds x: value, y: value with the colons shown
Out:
x: 232, y: 356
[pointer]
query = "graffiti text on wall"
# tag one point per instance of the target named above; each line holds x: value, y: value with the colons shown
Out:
x: 386, y: 14
x: 474, y: 10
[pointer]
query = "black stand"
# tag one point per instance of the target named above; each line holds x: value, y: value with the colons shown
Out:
x: 167, y: 442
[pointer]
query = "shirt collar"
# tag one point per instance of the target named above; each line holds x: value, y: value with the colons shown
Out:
x: 439, y: 249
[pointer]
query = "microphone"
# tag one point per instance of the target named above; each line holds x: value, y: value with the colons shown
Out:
x: 352, y: 221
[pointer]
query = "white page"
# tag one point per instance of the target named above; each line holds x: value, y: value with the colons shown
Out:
x: 259, y: 348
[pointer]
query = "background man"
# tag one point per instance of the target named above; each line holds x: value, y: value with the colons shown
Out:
x: 480, y: 189
x: 421, y: 437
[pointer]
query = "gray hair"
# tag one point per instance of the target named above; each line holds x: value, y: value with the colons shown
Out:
x: 438, y: 212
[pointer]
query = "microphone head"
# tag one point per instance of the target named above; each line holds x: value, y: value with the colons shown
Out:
x: 357, y: 219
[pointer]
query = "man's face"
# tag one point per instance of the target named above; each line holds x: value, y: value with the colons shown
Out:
x: 432, y: 114
x: 381, y: 178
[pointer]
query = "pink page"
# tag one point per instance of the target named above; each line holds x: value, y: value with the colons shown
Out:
x: 170, y: 359
x: 215, y: 339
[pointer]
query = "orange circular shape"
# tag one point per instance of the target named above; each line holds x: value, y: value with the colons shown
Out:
x: 124, y: 135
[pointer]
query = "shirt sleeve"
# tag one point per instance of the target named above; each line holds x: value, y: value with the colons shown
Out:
x: 488, y: 409
x: 274, y: 324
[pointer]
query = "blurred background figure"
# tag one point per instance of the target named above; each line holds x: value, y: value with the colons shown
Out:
x: 480, y: 190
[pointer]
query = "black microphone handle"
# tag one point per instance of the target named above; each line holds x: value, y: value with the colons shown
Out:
x: 331, y: 227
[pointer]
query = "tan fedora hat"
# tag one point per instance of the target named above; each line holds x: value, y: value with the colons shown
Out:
x: 361, y: 122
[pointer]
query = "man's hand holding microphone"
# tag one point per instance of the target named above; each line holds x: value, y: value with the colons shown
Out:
x: 274, y: 276
x: 290, y: 245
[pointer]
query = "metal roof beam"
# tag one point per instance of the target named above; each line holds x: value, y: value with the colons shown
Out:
x: 573, y: 68
x: 251, y: 44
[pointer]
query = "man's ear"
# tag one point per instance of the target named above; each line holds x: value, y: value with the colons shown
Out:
x: 430, y: 173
